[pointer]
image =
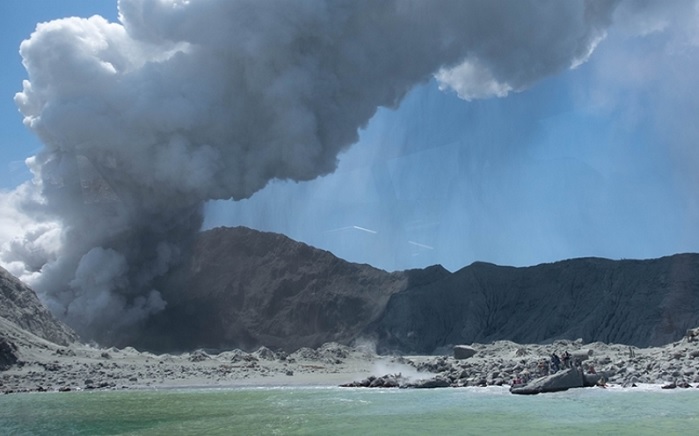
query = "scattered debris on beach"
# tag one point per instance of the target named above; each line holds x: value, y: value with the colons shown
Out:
x: 40, y: 366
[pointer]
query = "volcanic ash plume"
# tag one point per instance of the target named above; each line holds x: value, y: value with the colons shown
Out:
x: 185, y: 101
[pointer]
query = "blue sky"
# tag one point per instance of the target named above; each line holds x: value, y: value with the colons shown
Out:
x: 600, y: 160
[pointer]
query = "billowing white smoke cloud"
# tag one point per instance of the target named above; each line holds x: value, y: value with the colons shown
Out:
x: 186, y: 101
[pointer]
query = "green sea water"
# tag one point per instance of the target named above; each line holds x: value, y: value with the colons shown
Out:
x: 344, y: 411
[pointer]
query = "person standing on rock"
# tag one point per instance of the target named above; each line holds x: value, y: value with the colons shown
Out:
x: 555, y: 363
x: 566, y: 359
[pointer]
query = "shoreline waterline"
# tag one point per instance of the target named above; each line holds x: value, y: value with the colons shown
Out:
x: 316, y: 409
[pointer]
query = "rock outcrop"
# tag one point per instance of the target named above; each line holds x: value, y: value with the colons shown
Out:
x: 20, y: 305
x: 8, y: 353
x: 569, y: 378
x: 463, y: 352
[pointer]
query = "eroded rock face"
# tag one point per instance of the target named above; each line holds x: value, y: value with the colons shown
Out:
x: 245, y: 288
x: 20, y: 305
x: 8, y: 354
x: 634, y: 302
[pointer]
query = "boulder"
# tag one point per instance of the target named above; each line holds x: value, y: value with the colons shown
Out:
x: 692, y: 334
x: 560, y: 381
x: 198, y: 356
x: 387, y: 381
x: 592, y: 379
x: 463, y: 352
x: 437, y: 382
x: 8, y: 354
x: 265, y: 353
x: 671, y: 385
x: 581, y: 355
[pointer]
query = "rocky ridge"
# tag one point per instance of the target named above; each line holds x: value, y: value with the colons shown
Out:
x: 633, y: 302
x: 245, y: 288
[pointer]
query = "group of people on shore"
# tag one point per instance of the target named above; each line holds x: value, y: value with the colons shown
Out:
x: 556, y: 363
x: 553, y: 365
x: 565, y: 361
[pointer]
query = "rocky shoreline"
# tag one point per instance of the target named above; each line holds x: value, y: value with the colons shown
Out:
x: 46, y: 367
x: 675, y: 365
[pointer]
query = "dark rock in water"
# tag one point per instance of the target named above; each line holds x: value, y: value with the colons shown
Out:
x: 560, y: 381
x: 8, y: 354
x: 386, y: 381
x: 399, y: 381
x: 463, y: 352
x: 437, y: 382
x: 592, y: 379
x: 359, y: 384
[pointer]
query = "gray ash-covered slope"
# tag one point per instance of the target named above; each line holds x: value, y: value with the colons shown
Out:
x: 635, y: 302
x: 20, y: 306
x: 246, y: 288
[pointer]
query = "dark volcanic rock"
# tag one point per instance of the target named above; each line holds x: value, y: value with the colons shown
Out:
x: 567, y: 379
x: 642, y: 303
x: 8, y: 354
x: 463, y: 352
x: 20, y: 305
x: 244, y: 289
x: 436, y: 382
